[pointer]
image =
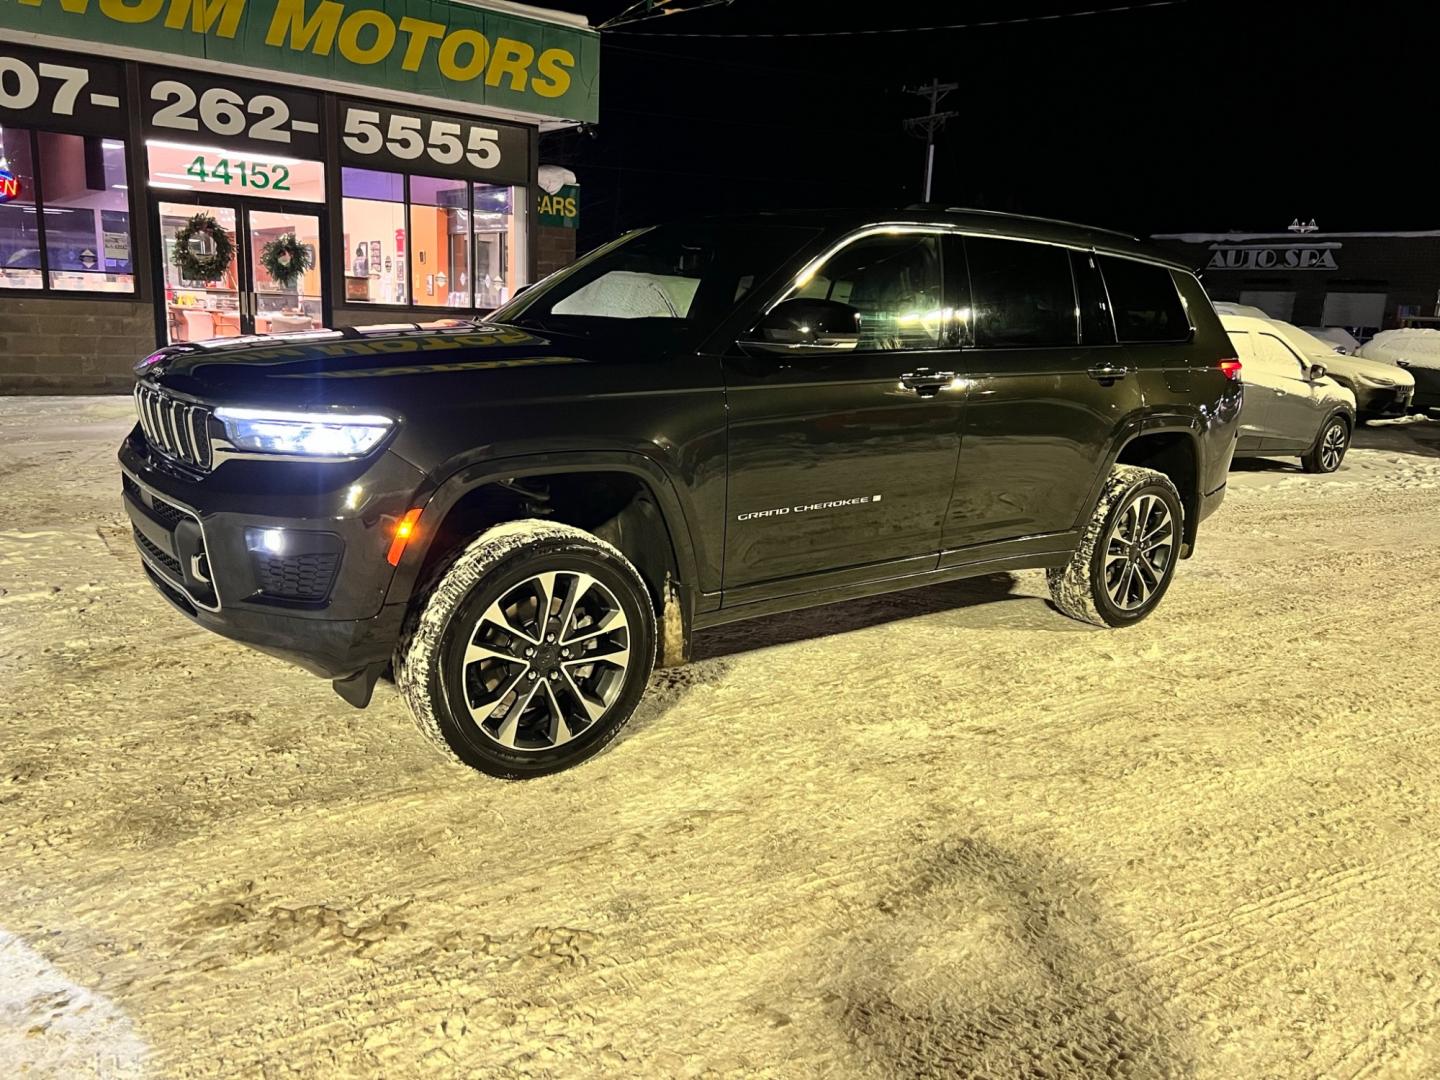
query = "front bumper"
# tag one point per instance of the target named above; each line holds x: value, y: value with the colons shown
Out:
x: 1378, y: 404
x: 288, y: 558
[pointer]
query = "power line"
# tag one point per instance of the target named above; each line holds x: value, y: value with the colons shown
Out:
x: 655, y: 9
x: 976, y: 25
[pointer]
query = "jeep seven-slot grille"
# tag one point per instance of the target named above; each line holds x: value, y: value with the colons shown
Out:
x: 176, y: 428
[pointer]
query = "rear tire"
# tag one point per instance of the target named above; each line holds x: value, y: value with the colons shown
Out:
x: 1126, y: 559
x: 1329, y: 449
x: 531, y: 653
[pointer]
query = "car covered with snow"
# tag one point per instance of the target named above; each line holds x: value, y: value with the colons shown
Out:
x: 698, y: 423
x: 1416, y: 351
x: 1291, y: 407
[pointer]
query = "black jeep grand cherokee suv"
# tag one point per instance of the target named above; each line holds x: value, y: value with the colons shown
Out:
x: 695, y: 424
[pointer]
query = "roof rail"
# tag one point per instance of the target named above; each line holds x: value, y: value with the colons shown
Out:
x: 1023, y: 217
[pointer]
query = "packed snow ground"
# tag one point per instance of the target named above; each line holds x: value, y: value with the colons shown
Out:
x: 942, y: 833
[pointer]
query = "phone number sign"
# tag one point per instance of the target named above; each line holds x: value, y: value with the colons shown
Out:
x: 60, y: 91
x: 375, y: 136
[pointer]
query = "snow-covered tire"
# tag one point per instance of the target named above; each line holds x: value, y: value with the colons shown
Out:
x: 432, y: 670
x: 1079, y: 588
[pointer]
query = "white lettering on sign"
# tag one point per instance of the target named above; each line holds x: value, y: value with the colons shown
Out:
x: 1282, y: 257
x: 222, y: 111
x: 21, y: 86
x: 806, y: 508
x: 408, y: 138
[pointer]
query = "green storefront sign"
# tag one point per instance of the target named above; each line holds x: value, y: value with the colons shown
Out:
x: 561, y: 209
x: 446, y: 50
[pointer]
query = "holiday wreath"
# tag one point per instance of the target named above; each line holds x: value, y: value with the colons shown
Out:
x: 196, y: 263
x: 285, y: 259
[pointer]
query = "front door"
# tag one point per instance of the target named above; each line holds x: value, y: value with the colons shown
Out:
x: 273, y: 280
x: 835, y: 464
x: 1298, y: 405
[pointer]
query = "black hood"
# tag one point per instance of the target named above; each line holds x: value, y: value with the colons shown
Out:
x: 354, y: 366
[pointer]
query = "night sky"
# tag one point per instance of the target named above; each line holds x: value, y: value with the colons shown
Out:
x: 1199, y: 115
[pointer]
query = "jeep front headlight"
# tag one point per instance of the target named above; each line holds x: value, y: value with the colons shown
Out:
x: 308, y: 434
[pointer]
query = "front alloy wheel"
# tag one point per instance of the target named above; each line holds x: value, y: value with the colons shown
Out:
x: 1329, y: 449
x: 546, y: 661
x: 531, y: 652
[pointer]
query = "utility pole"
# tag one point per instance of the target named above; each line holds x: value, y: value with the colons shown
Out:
x: 930, y: 123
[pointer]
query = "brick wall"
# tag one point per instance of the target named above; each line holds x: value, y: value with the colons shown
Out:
x: 555, y: 248
x: 72, y: 346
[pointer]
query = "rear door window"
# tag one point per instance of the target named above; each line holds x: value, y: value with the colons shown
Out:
x: 1145, y: 301
x: 1022, y: 294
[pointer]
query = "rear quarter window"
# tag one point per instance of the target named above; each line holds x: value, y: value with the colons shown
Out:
x: 1145, y: 301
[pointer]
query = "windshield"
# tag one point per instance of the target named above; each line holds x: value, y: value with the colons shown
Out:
x: 675, y: 281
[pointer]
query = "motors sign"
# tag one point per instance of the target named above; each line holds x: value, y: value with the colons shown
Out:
x: 1273, y: 257
x: 458, y: 51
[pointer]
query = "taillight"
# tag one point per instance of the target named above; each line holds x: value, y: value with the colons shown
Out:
x: 1230, y: 368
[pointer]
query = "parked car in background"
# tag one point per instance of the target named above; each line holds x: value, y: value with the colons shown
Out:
x: 1415, y: 351
x: 1381, y: 390
x: 1291, y: 407
x: 1344, y: 341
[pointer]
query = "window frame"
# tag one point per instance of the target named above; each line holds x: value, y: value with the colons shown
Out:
x: 961, y: 292
x: 518, y: 192
x: 48, y: 291
x: 1110, y: 301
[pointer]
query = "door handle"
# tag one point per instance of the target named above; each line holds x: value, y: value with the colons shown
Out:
x: 1107, y: 372
x: 925, y: 382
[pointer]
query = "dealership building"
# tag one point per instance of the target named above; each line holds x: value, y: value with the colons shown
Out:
x: 1364, y: 281
x: 175, y: 170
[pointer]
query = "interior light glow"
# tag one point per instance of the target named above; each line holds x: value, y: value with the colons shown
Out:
x: 166, y: 144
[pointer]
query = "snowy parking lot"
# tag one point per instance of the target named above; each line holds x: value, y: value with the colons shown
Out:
x: 941, y: 833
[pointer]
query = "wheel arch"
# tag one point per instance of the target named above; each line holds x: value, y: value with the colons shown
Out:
x: 1168, y: 443
x: 1342, y: 410
x: 623, y: 497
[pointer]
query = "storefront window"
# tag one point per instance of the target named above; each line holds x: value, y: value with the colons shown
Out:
x: 440, y: 242
x: 373, y: 205
x: 19, y: 223
x: 87, y: 213
x: 462, y: 241
x: 78, y: 214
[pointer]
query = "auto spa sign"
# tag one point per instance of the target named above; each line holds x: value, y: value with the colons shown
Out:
x: 1319, y: 256
x: 449, y: 50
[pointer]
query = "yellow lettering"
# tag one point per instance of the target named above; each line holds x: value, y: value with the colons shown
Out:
x: 553, y: 65
x: 137, y: 12
x: 204, y: 14
x: 570, y: 206
x: 511, y: 58
x: 289, y: 20
x: 450, y: 65
x: 421, y: 34
x: 350, y: 29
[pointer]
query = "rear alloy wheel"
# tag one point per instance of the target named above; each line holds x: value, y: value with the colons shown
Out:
x: 532, y: 652
x: 1127, y: 556
x: 1329, y: 450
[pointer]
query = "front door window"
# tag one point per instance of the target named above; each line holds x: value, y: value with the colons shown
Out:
x: 280, y: 243
x: 203, y: 301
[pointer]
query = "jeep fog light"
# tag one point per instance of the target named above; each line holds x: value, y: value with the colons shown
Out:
x: 327, y: 435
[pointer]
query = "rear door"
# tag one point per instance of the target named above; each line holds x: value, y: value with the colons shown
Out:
x: 836, y: 464
x: 1043, y: 403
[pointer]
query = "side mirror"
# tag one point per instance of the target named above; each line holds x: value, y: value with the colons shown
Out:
x: 1317, y: 372
x: 801, y: 325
